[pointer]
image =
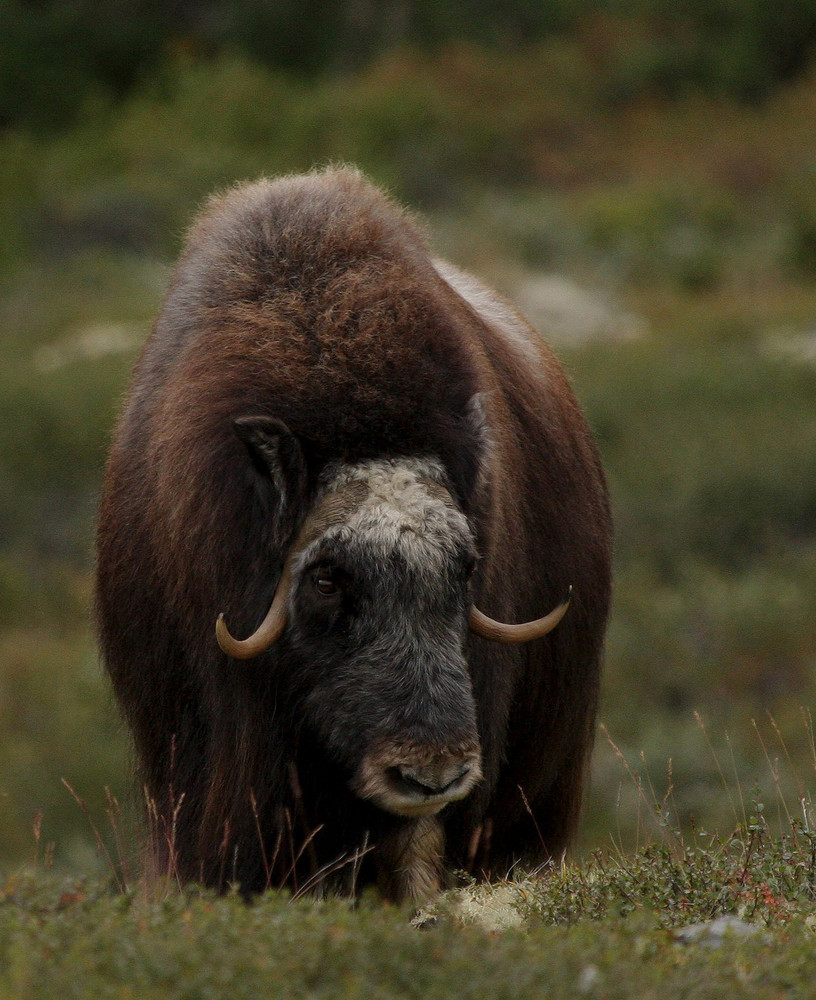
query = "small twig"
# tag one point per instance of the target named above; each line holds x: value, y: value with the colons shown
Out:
x: 330, y: 868
x: 532, y: 817
x: 170, y: 834
x: 100, y: 842
x: 292, y: 871
x: 359, y: 853
x: 262, y: 845
x: 726, y: 786
x: 668, y: 837
x: 113, y: 811
x: 300, y: 810
x: 774, y: 769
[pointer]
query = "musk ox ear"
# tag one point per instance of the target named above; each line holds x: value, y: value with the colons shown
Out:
x: 476, y: 417
x: 476, y: 421
x: 468, y: 455
x: 277, y: 456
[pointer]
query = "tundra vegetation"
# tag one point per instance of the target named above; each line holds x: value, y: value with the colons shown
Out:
x: 668, y: 237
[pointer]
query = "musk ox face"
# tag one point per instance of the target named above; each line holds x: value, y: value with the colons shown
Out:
x: 371, y: 615
x: 370, y: 619
x: 378, y: 620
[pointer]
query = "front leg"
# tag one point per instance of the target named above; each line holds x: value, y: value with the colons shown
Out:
x: 409, y: 861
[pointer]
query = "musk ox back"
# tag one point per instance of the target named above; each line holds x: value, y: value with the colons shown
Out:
x: 348, y: 487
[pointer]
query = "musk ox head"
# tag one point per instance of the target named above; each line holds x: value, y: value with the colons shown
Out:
x: 371, y: 616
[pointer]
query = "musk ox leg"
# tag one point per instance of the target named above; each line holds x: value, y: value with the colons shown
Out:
x: 544, y: 827
x: 409, y: 861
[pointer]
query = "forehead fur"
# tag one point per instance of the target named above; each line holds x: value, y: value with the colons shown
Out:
x: 402, y: 507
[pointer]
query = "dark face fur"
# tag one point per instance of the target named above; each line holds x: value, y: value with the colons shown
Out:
x: 377, y: 625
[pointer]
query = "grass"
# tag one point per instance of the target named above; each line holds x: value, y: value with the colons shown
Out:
x: 692, y: 913
x: 618, y: 926
x: 631, y: 919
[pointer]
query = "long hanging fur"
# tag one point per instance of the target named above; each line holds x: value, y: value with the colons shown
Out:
x: 314, y: 300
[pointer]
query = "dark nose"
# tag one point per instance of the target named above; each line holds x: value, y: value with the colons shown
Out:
x: 438, y: 777
x: 417, y: 780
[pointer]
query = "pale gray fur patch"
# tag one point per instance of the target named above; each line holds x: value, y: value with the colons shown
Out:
x: 493, y: 309
x: 406, y: 509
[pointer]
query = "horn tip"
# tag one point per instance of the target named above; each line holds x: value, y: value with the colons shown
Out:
x: 222, y: 635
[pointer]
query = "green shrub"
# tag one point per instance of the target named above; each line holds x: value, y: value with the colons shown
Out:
x: 615, y: 927
x: 711, y: 452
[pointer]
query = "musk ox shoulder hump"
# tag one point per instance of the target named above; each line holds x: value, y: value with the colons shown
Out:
x: 326, y: 216
x: 497, y: 312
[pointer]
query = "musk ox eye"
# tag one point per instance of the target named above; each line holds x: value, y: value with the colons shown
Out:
x: 325, y: 586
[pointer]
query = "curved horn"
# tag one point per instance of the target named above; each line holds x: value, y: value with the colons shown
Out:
x: 487, y: 628
x: 270, y: 629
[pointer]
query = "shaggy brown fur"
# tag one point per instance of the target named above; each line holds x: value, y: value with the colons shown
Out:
x: 313, y: 299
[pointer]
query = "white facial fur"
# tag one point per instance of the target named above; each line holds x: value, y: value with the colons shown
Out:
x: 405, y: 509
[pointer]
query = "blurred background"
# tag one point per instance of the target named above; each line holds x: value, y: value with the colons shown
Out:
x: 640, y: 177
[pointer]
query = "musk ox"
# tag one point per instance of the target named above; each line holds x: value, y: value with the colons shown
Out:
x: 354, y: 454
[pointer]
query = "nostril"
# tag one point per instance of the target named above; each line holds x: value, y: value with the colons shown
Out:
x: 410, y: 782
x: 457, y: 778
